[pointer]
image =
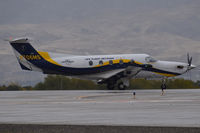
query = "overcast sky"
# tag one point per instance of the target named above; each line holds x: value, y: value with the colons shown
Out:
x: 165, y: 29
x: 37, y: 11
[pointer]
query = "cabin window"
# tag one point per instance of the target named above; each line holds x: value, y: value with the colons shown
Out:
x: 180, y: 67
x: 132, y: 61
x: 121, y: 62
x: 150, y: 59
x: 110, y: 62
x: 100, y: 62
x: 90, y: 63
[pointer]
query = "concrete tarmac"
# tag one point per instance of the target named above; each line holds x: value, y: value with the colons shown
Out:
x: 177, y: 108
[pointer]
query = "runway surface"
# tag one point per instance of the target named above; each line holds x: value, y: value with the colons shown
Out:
x: 175, y: 108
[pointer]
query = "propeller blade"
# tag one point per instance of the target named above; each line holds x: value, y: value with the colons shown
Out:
x: 189, y: 59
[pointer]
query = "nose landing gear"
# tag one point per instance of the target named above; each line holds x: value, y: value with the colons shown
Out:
x: 163, y: 86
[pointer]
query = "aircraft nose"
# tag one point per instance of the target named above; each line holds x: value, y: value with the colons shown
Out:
x: 192, y: 66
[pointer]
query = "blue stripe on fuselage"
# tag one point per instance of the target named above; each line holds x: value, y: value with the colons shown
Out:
x: 84, y: 71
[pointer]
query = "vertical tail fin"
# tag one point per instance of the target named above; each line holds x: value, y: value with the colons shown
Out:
x: 26, y: 54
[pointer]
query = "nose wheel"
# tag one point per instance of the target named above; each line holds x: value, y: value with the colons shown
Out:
x: 163, y: 86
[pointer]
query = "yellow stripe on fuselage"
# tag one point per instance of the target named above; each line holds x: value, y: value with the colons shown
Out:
x: 117, y: 61
x: 47, y: 57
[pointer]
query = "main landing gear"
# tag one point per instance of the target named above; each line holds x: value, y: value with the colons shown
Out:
x: 110, y: 86
x: 119, y: 85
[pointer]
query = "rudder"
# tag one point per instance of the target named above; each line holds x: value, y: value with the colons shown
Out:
x: 26, y: 54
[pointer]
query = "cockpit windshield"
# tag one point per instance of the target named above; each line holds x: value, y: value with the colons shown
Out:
x: 150, y: 59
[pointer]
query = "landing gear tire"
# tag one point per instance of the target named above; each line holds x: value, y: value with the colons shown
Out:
x: 121, y: 86
x: 110, y: 86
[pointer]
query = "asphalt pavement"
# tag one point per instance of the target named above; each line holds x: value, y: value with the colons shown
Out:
x: 148, y: 108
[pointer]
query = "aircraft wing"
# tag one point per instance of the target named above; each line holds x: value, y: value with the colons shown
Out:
x: 109, y: 74
x: 128, y: 72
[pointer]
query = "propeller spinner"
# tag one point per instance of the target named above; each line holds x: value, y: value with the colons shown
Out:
x: 189, y: 59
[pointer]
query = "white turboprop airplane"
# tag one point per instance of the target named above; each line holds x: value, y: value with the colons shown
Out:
x: 113, y: 70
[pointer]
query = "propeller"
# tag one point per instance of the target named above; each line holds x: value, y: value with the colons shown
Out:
x: 190, y: 66
x: 189, y: 59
